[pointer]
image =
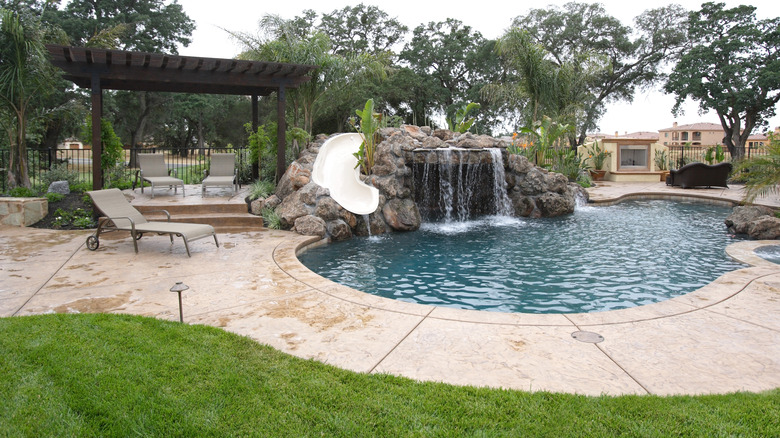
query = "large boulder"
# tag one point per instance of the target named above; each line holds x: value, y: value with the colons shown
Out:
x: 764, y: 228
x: 291, y: 209
x: 738, y: 222
x: 310, y: 226
x: 339, y: 230
x: 402, y: 214
x: 61, y: 187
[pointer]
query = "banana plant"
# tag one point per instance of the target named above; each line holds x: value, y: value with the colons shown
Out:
x: 461, y: 123
x: 368, y: 128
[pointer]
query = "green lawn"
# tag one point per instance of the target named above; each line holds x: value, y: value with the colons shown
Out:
x: 119, y: 375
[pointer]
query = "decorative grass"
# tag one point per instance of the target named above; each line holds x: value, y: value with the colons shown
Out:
x: 120, y: 375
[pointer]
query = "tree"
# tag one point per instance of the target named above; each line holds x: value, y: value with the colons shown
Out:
x: 144, y: 25
x: 732, y: 67
x: 362, y: 29
x: 283, y: 42
x: 455, y: 61
x: 629, y: 64
x: 24, y: 77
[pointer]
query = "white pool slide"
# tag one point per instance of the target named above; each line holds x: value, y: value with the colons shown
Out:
x: 335, y: 169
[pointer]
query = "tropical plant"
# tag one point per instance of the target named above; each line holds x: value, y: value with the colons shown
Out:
x: 761, y: 173
x: 525, y: 148
x: 271, y: 218
x: 461, y: 123
x: 661, y: 160
x: 546, y: 134
x: 598, y: 156
x: 261, y: 189
x: 368, y: 128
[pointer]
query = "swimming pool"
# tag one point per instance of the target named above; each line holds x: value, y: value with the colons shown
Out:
x: 597, y: 259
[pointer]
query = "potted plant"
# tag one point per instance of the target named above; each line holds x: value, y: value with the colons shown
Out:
x: 598, y: 158
x: 662, y: 163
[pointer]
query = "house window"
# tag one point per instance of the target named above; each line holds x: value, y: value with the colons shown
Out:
x: 697, y: 136
x: 675, y: 135
x: 666, y: 134
x: 684, y: 136
x: 634, y: 157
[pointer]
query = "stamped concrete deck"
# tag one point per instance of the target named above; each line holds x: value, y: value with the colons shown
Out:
x: 722, y: 338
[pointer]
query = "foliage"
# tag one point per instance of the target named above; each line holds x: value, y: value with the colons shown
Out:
x: 111, y: 144
x: 54, y: 197
x: 271, y: 219
x: 566, y: 162
x: 714, y: 154
x: 78, y: 218
x: 761, y: 173
x: 597, y: 156
x: 144, y: 25
x: 260, y: 143
x: 362, y: 29
x: 282, y: 41
x: 263, y: 147
x: 368, y: 128
x: 546, y: 134
x: 451, y: 63
x: 60, y: 172
x: 588, y: 39
x: 120, y: 177
x: 25, y: 75
x: 461, y: 123
x: 83, y: 375
x: 661, y: 159
x: 22, y: 192
x: 261, y: 189
x: 730, y: 67
x: 525, y: 148
x: 81, y: 187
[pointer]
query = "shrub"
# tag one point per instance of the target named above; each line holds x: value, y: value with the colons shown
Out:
x: 271, y: 218
x: 54, y: 197
x: 81, y: 187
x: 78, y: 218
x: 261, y: 189
x: 60, y: 172
x: 22, y: 192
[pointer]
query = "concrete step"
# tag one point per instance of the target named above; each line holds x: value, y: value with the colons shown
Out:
x: 219, y: 221
x: 196, y: 209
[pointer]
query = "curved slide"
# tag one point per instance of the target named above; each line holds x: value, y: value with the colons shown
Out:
x: 335, y: 170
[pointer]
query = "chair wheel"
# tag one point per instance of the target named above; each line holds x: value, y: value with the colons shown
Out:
x: 92, y: 243
x: 138, y: 236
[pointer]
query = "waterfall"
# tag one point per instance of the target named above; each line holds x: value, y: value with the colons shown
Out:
x: 457, y: 184
x: 503, y: 204
x: 367, y: 220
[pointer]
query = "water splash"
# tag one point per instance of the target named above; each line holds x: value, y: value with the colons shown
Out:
x: 367, y: 220
x: 503, y: 204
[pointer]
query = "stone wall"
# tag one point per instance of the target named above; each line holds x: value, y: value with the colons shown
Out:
x: 21, y: 212
x: 308, y: 208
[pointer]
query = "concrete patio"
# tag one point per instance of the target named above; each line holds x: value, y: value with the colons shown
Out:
x: 722, y: 338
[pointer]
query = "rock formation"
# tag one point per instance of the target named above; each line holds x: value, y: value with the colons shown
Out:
x: 758, y: 222
x: 308, y: 208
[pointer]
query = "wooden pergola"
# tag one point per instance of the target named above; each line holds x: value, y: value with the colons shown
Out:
x: 100, y: 69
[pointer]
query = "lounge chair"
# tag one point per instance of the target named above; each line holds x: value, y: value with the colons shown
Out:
x: 155, y: 171
x: 121, y: 216
x: 222, y: 172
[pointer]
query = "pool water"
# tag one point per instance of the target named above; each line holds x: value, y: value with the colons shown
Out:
x: 769, y: 253
x: 597, y: 259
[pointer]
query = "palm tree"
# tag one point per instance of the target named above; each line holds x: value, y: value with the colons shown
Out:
x: 284, y: 41
x: 762, y: 172
x: 22, y: 61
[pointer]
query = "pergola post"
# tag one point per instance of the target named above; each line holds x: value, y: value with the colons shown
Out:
x: 255, y: 164
x: 281, y: 130
x: 97, y: 146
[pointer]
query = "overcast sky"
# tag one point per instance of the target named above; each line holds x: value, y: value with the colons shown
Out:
x: 650, y: 110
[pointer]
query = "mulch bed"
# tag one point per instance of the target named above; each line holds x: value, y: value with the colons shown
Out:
x: 70, y: 202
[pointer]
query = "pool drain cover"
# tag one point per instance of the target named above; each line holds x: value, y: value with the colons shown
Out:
x: 591, y: 337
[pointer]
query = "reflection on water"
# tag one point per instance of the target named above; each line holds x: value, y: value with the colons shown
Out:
x: 599, y: 258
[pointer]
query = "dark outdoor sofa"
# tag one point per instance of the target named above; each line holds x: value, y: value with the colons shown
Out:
x: 700, y: 175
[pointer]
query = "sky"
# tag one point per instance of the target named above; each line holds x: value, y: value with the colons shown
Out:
x: 649, y: 111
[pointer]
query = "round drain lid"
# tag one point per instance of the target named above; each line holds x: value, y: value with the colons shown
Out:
x: 590, y: 337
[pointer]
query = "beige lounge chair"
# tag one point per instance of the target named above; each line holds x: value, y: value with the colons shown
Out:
x: 222, y: 172
x: 121, y: 216
x: 155, y: 171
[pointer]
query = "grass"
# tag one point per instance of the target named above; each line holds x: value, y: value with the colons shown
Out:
x: 119, y: 375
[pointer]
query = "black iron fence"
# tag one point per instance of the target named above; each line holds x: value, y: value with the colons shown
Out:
x: 682, y: 155
x: 75, y: 166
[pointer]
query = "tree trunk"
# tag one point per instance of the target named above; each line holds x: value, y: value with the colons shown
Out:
x: 18, y: 175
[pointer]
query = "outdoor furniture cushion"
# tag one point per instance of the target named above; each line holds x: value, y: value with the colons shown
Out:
x: 700, y: 175
x: 155, y: 171
x: 222, y: 172
x: 121, y: 216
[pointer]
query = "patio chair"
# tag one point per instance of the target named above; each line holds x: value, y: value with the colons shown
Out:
x: 155, y: 171
x: 222, y: 172
x: 121, y: 216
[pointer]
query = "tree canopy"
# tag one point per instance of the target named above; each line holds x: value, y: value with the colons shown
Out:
x: 731, y: 66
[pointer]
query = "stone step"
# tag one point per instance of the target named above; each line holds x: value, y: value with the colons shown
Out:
x: 220, y: 221
x: 195, y: 209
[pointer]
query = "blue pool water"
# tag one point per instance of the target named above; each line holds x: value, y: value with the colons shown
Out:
x: 769, y: 252
x: 597, y: 259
